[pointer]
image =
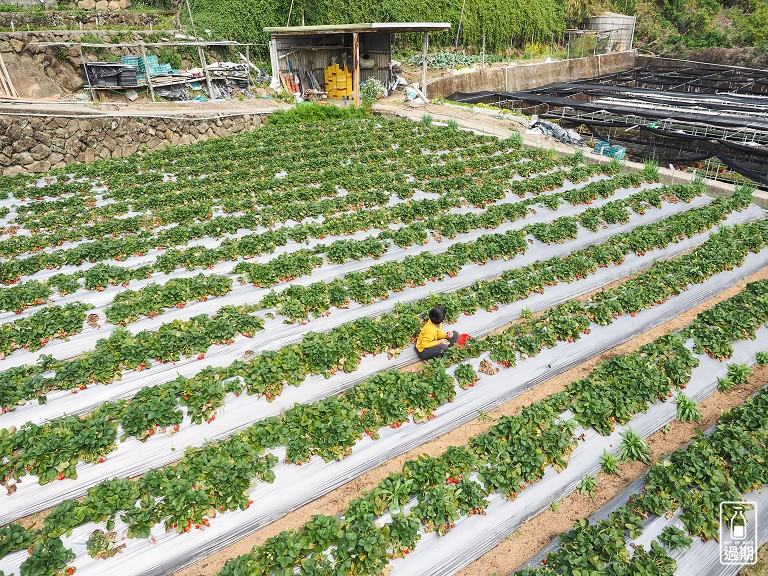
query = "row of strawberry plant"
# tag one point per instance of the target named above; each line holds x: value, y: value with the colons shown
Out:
x: 34, y: 332
x: 137, y: 245
x: 150, y: 301
x: 160, y: 406
x: 441, y: 486
x: 712, y: 469
x: 123, y: 350
x: 10, y: 387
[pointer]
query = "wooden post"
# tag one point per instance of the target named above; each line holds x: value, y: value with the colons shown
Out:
x: 356, y: 68
x: 87, y: 76
x: 200, y: 53
x: 424, y: 67
x: 248, y: 61
x: 146, y: 71
x: 273, y: 58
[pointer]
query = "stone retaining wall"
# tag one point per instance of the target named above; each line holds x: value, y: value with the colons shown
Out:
x: 42, y: 20
x: 36, y: 144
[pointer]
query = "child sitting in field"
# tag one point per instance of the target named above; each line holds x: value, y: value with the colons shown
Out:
x: 432, y: 341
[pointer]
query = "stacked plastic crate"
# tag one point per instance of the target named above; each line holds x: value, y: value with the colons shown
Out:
x: 338, y: 82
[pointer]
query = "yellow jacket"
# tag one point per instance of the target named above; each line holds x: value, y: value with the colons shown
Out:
x: 429, y: 336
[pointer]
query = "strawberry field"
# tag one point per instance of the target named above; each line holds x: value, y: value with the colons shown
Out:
x: 198, y: 341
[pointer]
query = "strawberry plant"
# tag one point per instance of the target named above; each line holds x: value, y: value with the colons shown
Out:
x: 102, y: 544
x: 466, y: 376
x: 47, y: 558
x: 14, y: 537
x: 675, y: 538
x: 35, y: 331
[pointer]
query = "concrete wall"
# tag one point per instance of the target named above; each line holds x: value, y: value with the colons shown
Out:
x: 34, y: 144
x: 655, y: 62
x: 526, y: 76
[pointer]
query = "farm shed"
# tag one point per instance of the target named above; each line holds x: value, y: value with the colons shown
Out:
x: 338, y: 58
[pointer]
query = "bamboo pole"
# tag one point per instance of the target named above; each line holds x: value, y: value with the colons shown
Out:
x: 200, y: 53
x: 93, y: 92
x: 146, y: 72
x: 8, y: 80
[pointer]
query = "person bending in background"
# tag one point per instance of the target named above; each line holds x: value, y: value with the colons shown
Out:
x: 433, y: 341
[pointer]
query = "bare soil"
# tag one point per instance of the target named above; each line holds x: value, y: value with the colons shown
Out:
x: 538, y: 532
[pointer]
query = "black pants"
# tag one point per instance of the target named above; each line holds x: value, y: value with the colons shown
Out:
x: 438, y: 350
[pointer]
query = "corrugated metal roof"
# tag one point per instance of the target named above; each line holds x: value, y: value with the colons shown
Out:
x: 369, y: 27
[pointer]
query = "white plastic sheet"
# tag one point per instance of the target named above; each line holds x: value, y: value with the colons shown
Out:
x: 326, y: 272
x: 276, y: 334
x: 295, y: 486
x: 133, y: 457
x: 474, y: 536
x: 701, y: 559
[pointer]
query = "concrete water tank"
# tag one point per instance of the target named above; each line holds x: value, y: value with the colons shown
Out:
x: 621, y: 26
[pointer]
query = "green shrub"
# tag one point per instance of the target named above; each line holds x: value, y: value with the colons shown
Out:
x: 371, y: 91
x: 308, y: 112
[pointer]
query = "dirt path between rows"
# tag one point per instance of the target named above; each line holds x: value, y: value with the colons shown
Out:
x: 538, y: 532
x: 501, y: 559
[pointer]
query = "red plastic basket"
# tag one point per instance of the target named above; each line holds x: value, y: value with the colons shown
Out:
x: 462, y: 340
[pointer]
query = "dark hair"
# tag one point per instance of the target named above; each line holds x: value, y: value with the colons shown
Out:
x: 437, y: 314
